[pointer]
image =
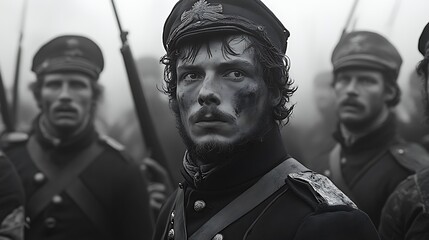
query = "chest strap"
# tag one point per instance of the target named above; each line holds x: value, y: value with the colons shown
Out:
x: 66, y: 179
x: 249, y: 199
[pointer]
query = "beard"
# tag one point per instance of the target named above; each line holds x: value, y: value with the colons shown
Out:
x: 213, y: 151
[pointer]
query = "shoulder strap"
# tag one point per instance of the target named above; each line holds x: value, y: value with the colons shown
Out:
x: 65, y: 179
x: 336, y: 173
x: 249, y: 199
x: 410, y: 155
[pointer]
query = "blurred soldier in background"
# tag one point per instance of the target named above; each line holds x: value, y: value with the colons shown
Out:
x: 406, y: 213
x: 78, y: 185
x: 11, y: 202
x: 370, y: 159
x: 228, y: 82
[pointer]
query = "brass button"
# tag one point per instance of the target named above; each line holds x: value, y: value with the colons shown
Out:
x: 199, y: 205
x: 50, y: 222
x: 57, y: 199
x: 343, y: 160
x: 39, y: 177
x: 218, y: 237
x: 401, y: 151
x: 171, y: 234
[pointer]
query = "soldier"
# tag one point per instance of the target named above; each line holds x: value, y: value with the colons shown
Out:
x: 406, y: 213
x: 227, y: 79
x: 79, y: 185
x: 11, y: 202
x: 370, y: 159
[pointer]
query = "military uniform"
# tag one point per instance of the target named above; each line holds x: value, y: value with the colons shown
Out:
x: 78, y: 185
x: 111, y: 179
x: 305, y: 206
x: 373, y: 166
x: 11, y: 202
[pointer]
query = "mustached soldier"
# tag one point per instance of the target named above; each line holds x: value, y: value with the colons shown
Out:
x: 78, y: 184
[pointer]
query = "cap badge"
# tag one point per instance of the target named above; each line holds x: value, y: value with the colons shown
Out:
x: 73, y: 48
x: 201, y: 10
x: 356, y: 43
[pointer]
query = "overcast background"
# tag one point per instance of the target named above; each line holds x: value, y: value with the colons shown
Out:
x: 315, y: 27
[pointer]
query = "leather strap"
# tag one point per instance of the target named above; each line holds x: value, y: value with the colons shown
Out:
x: 261, y: 190
x: 336, y: 172
x: 66, y: 179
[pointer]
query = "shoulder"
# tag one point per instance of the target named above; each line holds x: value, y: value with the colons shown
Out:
x: 13, y: 140
x: 410, y: 155
x: 114, y: 149
x: 335, y: 216
x: 323, y: 191
x: 337, y: 222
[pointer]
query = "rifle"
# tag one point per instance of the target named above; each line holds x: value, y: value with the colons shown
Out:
x: 15, y: 96
x: 147, y: 127
x: 349, y: 18
x: 4, y: 108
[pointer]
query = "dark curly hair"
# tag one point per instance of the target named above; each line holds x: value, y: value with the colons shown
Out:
x: 275, y: 69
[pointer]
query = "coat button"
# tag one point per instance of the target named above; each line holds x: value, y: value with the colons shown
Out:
x: 199, y: 205
x: 343, y: 160
x: 39, y: 177
x: 401, y: 151
x: 50, y: 222
x: 218, y: 237
x: 171, y: 234
x: 57, y: 199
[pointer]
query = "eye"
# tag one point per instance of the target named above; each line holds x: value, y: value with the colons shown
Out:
x: 192, y: 76
x: 77, y: 85
x: 53, y: 84
x: 234, y: 75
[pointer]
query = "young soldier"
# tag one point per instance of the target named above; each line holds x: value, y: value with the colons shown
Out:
x: 227, y: 79
x: 78, y: 185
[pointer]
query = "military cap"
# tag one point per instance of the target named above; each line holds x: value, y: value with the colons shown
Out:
x: 424, y: 41
x: 366, y: 49
x: 69, y: 53
x: 190, y: 18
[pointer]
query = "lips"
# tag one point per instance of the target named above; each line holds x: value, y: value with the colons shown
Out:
x: 351, y: 104
x: 65, y: 110
x: 210, y: 116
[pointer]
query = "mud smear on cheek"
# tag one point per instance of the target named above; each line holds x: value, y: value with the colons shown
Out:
x: 245, y: 99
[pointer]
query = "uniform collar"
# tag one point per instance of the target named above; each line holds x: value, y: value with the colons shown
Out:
x: 374, y: 139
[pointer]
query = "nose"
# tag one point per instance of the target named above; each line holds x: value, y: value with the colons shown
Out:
x: 65, y: 93
x: 352, y: 87
x: 209, y: 92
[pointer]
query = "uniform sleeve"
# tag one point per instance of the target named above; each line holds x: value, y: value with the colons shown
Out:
x: 404, y: 215
x: 133, y: 219
x: 337, y: 223
x: 11, y: 202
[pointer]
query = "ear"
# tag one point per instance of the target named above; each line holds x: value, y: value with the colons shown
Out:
x: 390, y: 92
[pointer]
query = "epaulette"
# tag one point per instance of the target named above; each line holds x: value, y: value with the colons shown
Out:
x: 323, y: 189
x: 410, y: 155
x: 112, y: 143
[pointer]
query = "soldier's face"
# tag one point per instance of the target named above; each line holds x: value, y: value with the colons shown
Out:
x: 66, y: 100
x: 222, y: 98
x: 361, y: 96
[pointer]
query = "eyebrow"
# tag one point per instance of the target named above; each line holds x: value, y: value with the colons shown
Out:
x: 228, y: 64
